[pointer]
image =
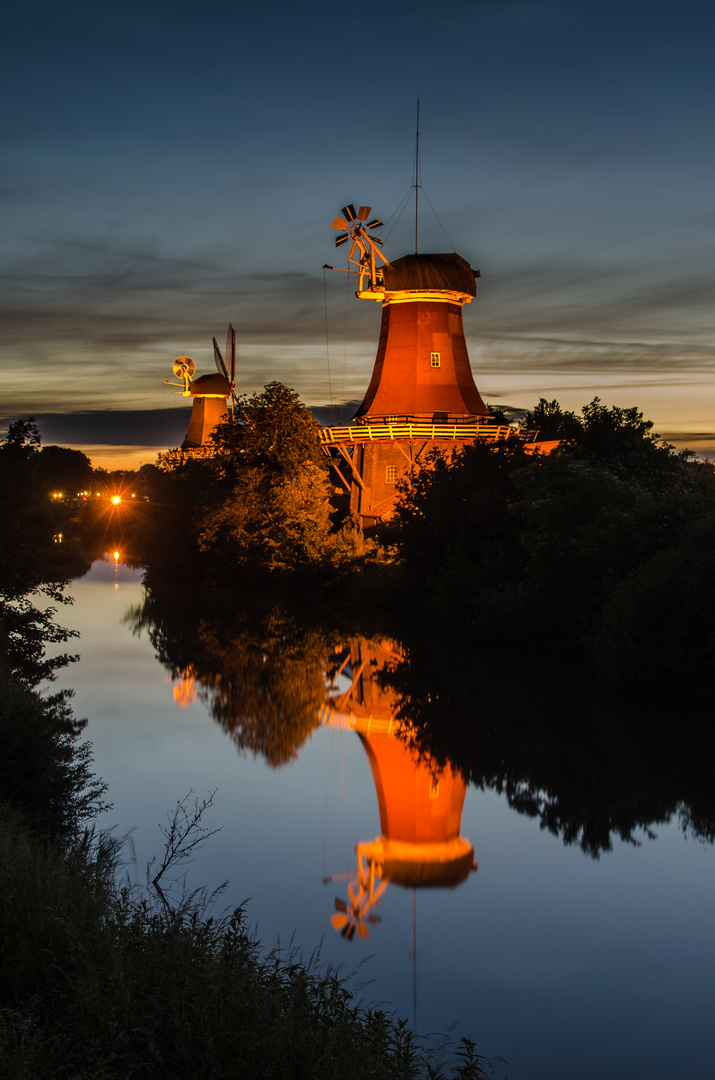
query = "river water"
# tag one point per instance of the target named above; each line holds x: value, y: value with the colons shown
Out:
x: 565, y: 964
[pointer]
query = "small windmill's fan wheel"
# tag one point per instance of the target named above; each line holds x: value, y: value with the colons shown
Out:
x: 184, y: 367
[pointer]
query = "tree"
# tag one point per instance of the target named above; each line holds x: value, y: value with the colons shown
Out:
x: 549, y: 419
x: 499, y: 538
x: 30, y: 557
x: 453, y: 522
x: 656, y: 629
x: 65, y: 470
x: 268, y: 499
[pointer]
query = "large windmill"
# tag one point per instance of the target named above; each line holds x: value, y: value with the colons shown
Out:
x: 422, y: 392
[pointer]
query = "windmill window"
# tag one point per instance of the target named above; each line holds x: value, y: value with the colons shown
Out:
x: 391, y: 474
x: 435, y: 359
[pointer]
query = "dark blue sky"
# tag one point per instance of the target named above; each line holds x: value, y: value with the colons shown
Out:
x: 170, y: 167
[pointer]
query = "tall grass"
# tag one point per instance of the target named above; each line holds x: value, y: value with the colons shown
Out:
x: 98, y: 981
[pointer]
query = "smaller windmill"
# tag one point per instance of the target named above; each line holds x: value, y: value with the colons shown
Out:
x: 184, y: 368
x: 355, y: 229
x: 210, y: 394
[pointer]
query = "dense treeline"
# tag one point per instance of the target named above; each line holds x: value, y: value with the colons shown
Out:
x: 601, y: 547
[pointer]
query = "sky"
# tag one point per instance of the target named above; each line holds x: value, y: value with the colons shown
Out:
x: 168, y: 167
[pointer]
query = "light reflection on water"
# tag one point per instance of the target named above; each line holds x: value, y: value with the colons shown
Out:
x: 565, y: 965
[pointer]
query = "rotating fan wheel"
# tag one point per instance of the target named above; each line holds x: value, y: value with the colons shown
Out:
x: 184, y: 367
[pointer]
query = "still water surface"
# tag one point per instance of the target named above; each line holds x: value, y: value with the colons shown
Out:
x: 566, y: 965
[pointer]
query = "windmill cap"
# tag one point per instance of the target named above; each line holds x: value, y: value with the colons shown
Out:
x: 449, y: 272
x: 210, y: 386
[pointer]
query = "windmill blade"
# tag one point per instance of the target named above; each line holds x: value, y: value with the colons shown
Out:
x: 340, y: 905
x: 231, y: 351
x: 349, y: 212
x: 363, y: 931
x: 374, y: 224
x: 217, y: 355
x: 220, y: 366
x: 339, y: 922
x: 341, y: 239
x: 340, y: 223
x: 364, y: 212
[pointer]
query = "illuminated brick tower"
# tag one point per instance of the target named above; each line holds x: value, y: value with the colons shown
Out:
x: 422, y: 392
x: 210, y: 394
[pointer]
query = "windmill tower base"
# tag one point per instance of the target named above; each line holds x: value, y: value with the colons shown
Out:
x: 371, y: 458
x: 206, y: 414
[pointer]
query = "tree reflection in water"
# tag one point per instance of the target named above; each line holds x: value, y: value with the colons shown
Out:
x: 260, y: 676
x: 590, y: 768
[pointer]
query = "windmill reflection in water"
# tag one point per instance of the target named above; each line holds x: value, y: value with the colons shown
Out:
x: 420, y: 802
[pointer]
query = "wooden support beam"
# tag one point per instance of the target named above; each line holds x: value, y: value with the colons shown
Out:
x: 402, y: 450
x: 343, y: 481
x: 353, y: 466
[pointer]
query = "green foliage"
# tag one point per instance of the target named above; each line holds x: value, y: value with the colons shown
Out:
x: 26, y: 548
x: 269, y: 502
x: 656, y: 629
x: 501, y: 540
x: 45, y: 774
x: 270, y: 518
x: 551, y: 422
x: 65, y: 470
x: 455, y: 513
x: 276, y: 432
x: 100, y: 981
x: 259, y: 503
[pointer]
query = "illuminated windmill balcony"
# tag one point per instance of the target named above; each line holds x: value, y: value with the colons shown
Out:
x: 382, y: 429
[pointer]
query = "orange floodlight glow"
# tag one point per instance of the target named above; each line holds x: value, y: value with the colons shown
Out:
x: 116, y: 499
x: 116, y: 556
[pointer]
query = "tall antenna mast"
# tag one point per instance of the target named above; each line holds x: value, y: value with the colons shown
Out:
x: 417, y: 178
